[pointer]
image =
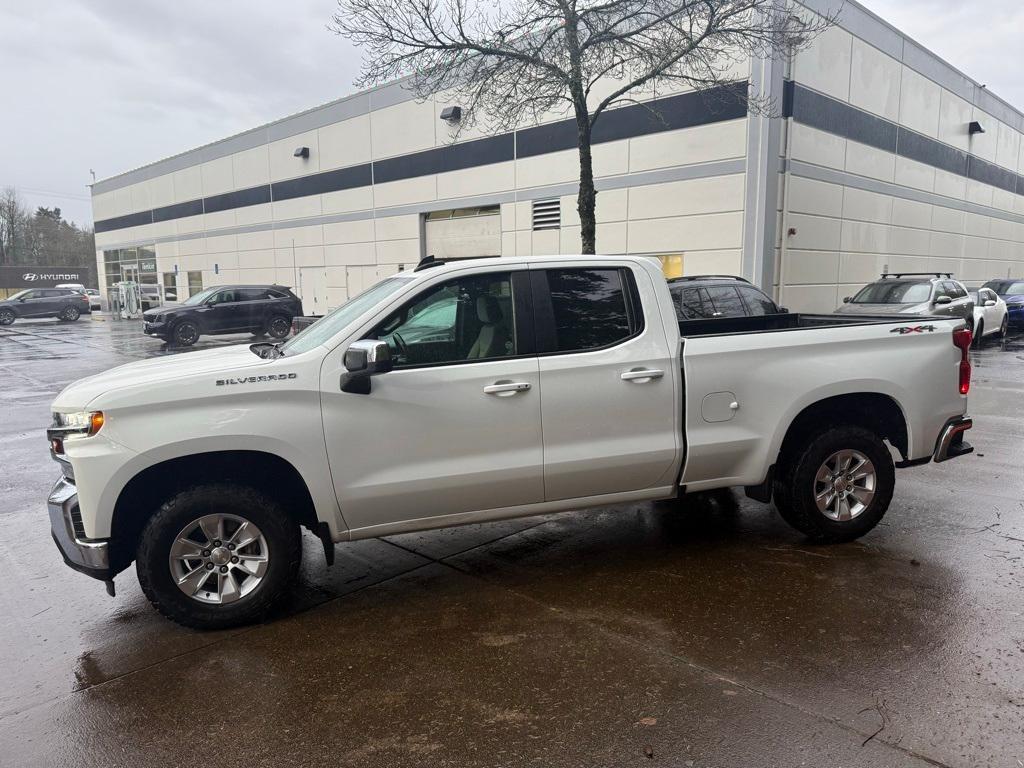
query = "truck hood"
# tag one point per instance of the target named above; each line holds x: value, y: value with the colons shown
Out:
x: 882, y: 309
x: 79, y: 394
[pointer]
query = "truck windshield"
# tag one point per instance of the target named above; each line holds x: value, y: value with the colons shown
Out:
x: 1006, y: 287
x: 324, y: 328
x: 892, y: 292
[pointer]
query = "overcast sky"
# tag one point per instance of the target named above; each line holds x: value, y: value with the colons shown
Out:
x: 109, y: 85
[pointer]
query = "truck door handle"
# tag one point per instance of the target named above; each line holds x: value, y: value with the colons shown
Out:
x: 506, y: 388
x: 642, y: 375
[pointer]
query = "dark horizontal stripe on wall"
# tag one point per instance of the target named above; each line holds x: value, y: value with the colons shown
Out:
x: 914, y: 146
x: 456, y: 157
x: 983, y: 171
x: 178, y: 210
x: 827, y: 114
x: 821, y: 112
x: 237, y: 199
x: 684, y: 110
x: 121, y: 222
x: 321, y: 183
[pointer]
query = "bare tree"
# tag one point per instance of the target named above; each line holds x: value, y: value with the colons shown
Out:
x: 516, y: 62
x: 13, y: 216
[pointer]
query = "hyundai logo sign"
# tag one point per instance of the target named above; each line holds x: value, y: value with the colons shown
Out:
x: 19, y: 277
x: 31, y: 277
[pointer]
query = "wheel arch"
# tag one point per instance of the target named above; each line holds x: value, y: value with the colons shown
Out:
x: 875, y: 410
x: 143, y: 494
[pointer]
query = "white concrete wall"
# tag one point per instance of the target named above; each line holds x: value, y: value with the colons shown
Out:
x: 872, y: 215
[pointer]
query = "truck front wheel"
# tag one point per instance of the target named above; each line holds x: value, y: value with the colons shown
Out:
x: 217, y: 556
x: 836, y: 487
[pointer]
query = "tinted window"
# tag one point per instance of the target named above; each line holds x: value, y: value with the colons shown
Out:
x: 1006, y: 287
x: 463, y: 320
x: 56, y: 292
x: 252, y: 294
x: 589, y: 307
x: 726, y: 301
x: 689, y: 304
x: 757, y: 303
x: 894, y: 292
x: 223, y: 297
x: 953, y: 289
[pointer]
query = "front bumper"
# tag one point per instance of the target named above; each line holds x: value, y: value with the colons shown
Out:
x: 951, y: 441
x: 88, y: 556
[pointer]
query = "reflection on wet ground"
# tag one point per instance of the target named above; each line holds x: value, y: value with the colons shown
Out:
x: 702, y: 632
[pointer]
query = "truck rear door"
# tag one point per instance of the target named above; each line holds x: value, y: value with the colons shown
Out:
x: 606, y: 381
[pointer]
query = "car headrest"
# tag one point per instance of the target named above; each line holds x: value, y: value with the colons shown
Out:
x: 488, y: 310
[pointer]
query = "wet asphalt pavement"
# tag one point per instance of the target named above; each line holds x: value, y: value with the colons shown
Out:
x: 698, y: 633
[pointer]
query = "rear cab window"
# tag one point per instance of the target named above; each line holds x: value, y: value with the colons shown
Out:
x: 581, y: 309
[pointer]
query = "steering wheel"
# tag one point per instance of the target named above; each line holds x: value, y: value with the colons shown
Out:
x: 403, y: 348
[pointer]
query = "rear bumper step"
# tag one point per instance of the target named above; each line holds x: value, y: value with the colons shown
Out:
x: 951, y: 441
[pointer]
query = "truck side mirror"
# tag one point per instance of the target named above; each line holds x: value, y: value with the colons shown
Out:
x: 362, y: 360
x: 943, y: 299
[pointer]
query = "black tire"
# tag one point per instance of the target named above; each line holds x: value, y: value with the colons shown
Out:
x: 1004, y: 328
x: 795, y: 484
x: 7, y: 316
x: 152, y: 556
x: 185, y: 333
x: 69, y: 314
x: 279, y: 326
x: 979, y: 334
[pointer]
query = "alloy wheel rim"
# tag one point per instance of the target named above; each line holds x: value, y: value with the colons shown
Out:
x: 845, y: 485
x: 219, y: 559
x: 186, y: 334
x: 279, y: 327
x: 6, y: 317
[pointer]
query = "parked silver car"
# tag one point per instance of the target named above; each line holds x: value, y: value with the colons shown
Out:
x: 912, y: 293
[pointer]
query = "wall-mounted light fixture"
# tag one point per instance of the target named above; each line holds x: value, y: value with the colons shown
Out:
x: 451, y: 114
x: 974, y: 127
x: 302, y: 152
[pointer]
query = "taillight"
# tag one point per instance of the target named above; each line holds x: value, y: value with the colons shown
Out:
x: 962, y: 340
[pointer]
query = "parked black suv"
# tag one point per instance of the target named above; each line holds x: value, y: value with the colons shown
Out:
x: 707, y: 296
x: 63, y: 303
x: 255, y: 309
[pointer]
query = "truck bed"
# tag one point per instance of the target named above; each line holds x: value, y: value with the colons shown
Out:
x: 787, y: 321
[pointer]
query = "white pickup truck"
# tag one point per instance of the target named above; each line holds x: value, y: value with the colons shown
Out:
x: 480, y: 390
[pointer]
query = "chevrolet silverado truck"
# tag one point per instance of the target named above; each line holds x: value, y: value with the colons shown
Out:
x: 480, y: 390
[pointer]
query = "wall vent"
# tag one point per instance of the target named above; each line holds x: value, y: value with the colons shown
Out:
x: 547, y: 214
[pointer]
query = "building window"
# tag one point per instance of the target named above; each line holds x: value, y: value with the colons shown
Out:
x: 170, y: 286
x: 195, y: 283
x: 672, y: 264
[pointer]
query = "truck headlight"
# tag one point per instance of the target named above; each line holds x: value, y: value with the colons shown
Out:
x: 76, y: 424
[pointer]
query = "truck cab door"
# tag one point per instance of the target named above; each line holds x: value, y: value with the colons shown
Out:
x: 608, y: 384
x: 455, y: 428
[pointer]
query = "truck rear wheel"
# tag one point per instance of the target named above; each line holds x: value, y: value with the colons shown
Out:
x: 836, y: 487
x: 217, y: 556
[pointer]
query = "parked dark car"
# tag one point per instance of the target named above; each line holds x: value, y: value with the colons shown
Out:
x: 706, y: 296
x: 1012, y: 292
x: 912, y: 293
x: 255, y: 309
x: 65, y: 304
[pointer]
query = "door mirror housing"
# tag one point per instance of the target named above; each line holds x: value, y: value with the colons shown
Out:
x: 943, y: 300
x: 990, y: 303
x: 362, y: 360
x: 847, y: 299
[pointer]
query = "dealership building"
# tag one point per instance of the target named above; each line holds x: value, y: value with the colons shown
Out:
x: 879, y: 156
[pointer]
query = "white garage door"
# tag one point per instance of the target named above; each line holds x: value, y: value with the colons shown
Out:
x: 464, y: 232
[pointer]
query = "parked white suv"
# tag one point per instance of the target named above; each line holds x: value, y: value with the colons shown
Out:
x: 541, y: 384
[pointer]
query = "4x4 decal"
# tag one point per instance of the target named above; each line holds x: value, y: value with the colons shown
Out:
x: 905, y: 329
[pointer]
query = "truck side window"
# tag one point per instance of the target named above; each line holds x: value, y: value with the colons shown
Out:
x: 467, y: 319
x: 591, y: 308
x: 757, y: 303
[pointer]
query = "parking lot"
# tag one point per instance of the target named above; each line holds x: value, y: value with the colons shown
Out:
x: 704, y: 632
